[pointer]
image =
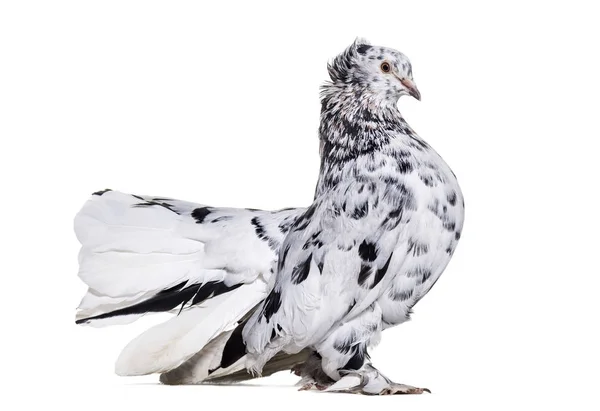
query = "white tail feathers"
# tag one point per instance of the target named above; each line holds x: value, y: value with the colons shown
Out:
x: 128, y: 249
x: 198, y: 367
x: 209, y: 265
x: 168, y: 345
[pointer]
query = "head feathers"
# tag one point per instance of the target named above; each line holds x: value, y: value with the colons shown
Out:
x: 341, y: 66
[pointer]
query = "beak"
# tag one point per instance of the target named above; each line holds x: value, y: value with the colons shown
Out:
x: 411, y: 87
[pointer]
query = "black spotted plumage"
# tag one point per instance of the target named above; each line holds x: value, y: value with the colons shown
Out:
x: 313, y: 241
x: 162, y: 204
x: 99, y: 193
x: 271, y: 305
x: 365, y: 273
x: 285, y: 225
x: 452, y: 198
x: 404, y: 166
x: 367, y: 251
x: 385, y: 219
x: 360, y: 211
x: 427, y: 179
x: 261, y: 232
x: 200, y: 214
x: 381, y: 272
x: 357, y: 360
x: 234, y: 349
x: 380, y: 197
x: 420, y: 272
x: 402, y: 295
x: 304, y: 220
x: 286, y: 250
x: 417, y: 248
x: 221, y: 219
x: 301, y: 270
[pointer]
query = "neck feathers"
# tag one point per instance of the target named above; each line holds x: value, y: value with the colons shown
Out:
x: 355, y: 122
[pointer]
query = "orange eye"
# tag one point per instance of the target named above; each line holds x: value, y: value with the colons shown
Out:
x: 385, y: 67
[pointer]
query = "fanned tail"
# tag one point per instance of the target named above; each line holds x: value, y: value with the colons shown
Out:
x: 210, y: 266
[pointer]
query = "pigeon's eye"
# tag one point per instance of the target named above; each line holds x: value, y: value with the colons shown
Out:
x: 385, y: 67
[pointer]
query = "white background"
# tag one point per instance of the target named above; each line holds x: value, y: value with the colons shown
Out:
x: 218, y: 103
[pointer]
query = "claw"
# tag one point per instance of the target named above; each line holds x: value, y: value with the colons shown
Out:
x: 307, y: 387
x: 401, y: 389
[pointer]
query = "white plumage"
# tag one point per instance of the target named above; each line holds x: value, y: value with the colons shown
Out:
x: 303, y: 289
x: 133, y: 251
x: 168, y: 345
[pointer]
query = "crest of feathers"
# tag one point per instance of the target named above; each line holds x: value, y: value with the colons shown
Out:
x: 342, y: 65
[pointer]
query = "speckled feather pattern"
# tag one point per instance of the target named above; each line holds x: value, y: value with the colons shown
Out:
x: 386, y: 218
x: 385, y: 221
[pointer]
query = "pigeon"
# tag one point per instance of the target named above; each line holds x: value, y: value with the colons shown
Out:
x: 310, y: 290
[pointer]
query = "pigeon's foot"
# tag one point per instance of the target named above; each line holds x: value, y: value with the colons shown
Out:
x: 310, y: 385
x: 396, y: 388
x: 369, y: 381
x: 364, y: 380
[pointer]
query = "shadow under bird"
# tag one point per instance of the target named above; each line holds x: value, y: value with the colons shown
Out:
x: 304, y: 289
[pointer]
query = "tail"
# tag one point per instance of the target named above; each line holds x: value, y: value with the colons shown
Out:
x: 143, y: 254
x: 170, y: 344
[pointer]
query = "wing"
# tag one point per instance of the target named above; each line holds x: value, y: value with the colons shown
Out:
x: 334, y: 263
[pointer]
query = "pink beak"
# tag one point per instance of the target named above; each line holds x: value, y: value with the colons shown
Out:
x: 411, y: 87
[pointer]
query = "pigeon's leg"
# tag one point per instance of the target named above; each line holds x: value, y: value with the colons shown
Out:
x: 312, y: 374
x: 345, y: 359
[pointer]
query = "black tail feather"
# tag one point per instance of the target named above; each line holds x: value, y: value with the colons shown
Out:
x: 168, y: 299
x: 235, y: 348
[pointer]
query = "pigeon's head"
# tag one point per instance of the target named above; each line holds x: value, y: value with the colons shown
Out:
x: 378, y: 71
